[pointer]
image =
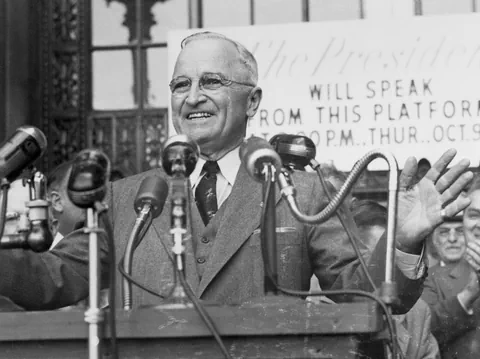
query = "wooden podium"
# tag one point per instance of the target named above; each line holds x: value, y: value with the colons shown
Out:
x: 283, y: 329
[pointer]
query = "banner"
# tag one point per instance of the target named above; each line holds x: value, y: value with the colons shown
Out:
x: 410, y: 86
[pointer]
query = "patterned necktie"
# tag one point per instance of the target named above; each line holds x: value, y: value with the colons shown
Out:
x: 206, y: 192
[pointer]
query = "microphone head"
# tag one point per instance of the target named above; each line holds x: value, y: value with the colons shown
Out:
x: 180, y: 155
x: 152, y: 190
x: 21, y: 150
x: 37, y: 135
x: 88, y: 178
x: 295, y: 151
x: 255, y: 153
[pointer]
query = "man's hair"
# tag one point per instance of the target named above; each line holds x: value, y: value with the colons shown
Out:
x: 368, y: 213
x: 246, y: 57
x: 57, y: 179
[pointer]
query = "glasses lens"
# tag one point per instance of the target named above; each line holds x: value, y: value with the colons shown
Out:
x: 180, y: 85
x: 211, y: 81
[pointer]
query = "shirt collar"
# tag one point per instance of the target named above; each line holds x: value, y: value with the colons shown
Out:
x: 228, y: 164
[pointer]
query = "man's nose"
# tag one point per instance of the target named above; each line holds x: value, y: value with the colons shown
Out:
x: 452, y: 236
x: 195, y: 95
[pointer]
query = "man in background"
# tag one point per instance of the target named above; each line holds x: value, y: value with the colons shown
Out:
x: 452, y: 288
x: 68, y: 216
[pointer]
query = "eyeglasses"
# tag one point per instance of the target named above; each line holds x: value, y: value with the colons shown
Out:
x: 209, y: 81
x: 444, y: 233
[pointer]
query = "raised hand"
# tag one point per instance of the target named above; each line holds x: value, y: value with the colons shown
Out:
x: 423, y: 206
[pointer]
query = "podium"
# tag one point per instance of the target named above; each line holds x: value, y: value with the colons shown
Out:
x: 292, y: 329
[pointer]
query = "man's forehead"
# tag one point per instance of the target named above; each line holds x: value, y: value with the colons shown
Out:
x: 206, y: 55
x: 448, y: 225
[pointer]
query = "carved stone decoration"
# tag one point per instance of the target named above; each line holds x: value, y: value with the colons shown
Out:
x: 65, y: 81
x: 65, y: 20
x: 127, y: 145
x: 99, y: 135
x: 64, y: 140
x: 155, y: 133
x: 64, y: 75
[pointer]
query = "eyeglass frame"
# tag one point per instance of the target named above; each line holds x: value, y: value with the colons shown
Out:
x: 224, y: 82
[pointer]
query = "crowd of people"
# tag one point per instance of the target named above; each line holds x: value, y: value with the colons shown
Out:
x: 214, y: 93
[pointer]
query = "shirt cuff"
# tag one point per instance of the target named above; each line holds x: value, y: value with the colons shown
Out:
x: 412, y: 265
x: 469, y: 311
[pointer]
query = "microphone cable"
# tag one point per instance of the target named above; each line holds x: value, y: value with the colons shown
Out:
x: 316, y: 166
x: 190, y: 294
x: 342, y: 292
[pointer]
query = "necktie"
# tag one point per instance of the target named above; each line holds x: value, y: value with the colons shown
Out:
x: 206, y: 192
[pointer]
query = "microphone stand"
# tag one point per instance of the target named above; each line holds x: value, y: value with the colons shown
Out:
x: 178, y: 229
x: 268, y: 232
x: 94, y: 314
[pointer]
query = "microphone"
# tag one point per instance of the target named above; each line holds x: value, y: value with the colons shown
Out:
x: 151, y: 196
x: 256, y: 153
x: 180, y: 155
x: 295, y: 151
x: 40, y: 238
x: 25, y: 146
x: 148, y: 204
x: 88, y: 179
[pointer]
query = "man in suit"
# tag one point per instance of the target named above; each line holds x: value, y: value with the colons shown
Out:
x: 214, y: 93
x: 452, y: 288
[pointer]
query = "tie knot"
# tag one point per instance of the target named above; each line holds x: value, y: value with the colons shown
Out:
x: 211, y: 168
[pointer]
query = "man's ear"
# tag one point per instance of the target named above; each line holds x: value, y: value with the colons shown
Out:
x: 56, y: 200
x: 254, y: 99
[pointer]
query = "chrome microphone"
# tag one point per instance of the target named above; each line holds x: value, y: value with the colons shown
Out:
x: 25, y: 146
x: 40, y: 237
x: 256, y: 154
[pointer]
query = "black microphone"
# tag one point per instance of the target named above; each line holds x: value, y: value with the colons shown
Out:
x: 151, y: 196
x: 148, y: 204
x: 25, y: 146
x: 180, y: 155
x: 296, y: 151
x: 256, y: 153
x: 88, y: 179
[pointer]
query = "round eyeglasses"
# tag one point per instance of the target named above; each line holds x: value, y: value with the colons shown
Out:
x: 209, y: 81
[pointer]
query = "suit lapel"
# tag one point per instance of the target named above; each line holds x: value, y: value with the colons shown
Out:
x: 240, y: 219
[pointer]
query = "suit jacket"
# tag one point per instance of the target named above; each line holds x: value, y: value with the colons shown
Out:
x: 223, y: 260
x: 456, y: 331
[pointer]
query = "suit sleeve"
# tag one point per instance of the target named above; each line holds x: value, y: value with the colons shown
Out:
x: 334, y: 260
x: 54, y: 279
x: 449, y: 319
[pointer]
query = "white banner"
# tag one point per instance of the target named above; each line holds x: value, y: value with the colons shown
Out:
x: 409, y: 86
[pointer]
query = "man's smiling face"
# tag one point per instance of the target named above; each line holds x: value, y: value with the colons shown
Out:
x: 215, y: 119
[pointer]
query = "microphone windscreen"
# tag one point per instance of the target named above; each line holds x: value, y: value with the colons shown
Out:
x: 153, y: 190
x: 255, y: 153
x: 88, y: 178
x: 180, y: 155
x: 295, y: 150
